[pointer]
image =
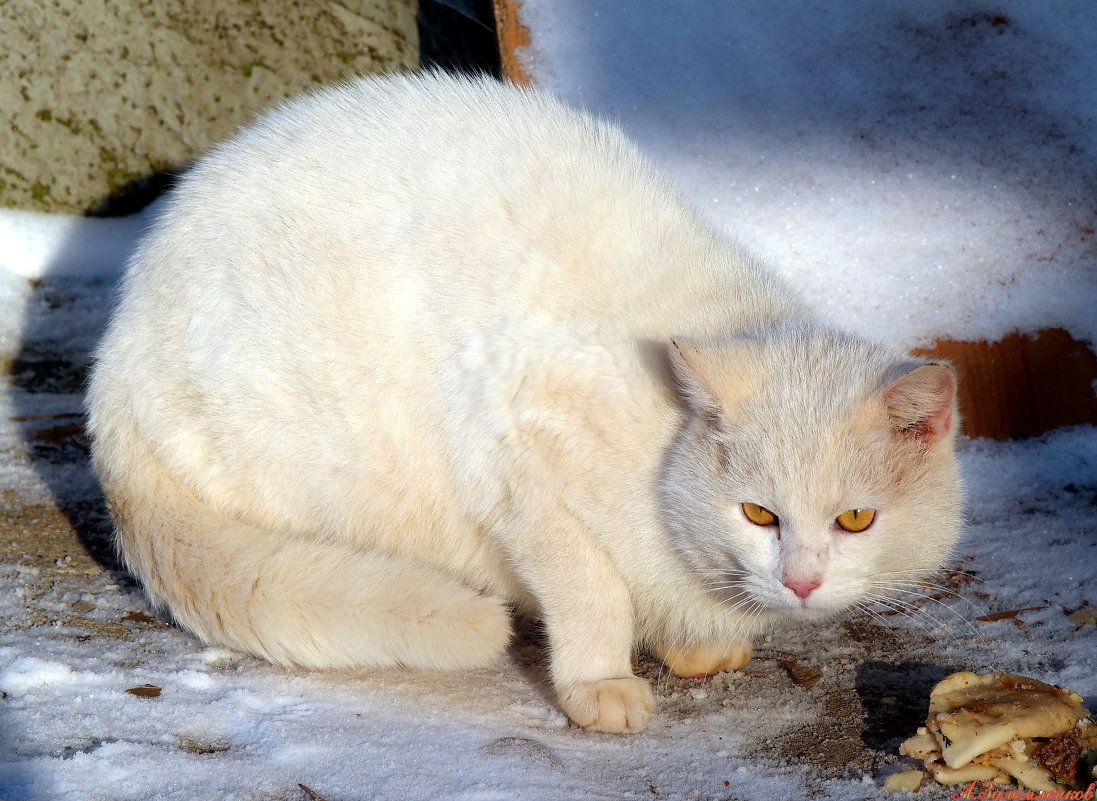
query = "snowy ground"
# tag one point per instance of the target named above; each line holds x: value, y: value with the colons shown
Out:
x: 812, y: 169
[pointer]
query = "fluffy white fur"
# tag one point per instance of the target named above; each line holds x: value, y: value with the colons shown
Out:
x: 412, y: 350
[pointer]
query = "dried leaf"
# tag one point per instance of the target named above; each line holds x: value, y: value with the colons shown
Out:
x: 804, y: 676
x: 957, y: 577
x: 69, y: 434
x: 139, y: 617
x: 26, y: 418
x: 1084, y: 617
x: 1008, y: 615
x: 196, y: 747
x: 312, y: 794
x: 145, y: 691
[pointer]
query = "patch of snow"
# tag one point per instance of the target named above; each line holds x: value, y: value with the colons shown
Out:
x: 33, y: 244
x: 922, y: 171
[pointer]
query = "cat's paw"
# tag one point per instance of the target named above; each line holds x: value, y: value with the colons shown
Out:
x: 706, y: 660
x: 611, y: 705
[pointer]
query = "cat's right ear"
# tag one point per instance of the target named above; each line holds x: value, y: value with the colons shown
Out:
x: 696, y: 371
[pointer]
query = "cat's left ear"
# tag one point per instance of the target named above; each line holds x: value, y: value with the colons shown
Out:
x: 922, y: 402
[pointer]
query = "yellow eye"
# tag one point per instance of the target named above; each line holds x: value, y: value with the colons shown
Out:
x: 855, y: 520
x: 759, y: 515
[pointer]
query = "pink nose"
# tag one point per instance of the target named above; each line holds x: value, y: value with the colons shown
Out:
x: 802, y: 588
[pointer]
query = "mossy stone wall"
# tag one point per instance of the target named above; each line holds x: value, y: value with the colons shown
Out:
x: 97, y: 97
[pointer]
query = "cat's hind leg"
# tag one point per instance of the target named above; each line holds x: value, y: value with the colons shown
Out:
x: 704, y: 660
x: 315, y: 603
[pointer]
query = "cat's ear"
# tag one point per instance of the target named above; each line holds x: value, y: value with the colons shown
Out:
x: 701, y: 374
x: 921, y: 402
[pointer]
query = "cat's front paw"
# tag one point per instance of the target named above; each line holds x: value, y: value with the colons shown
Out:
x: 705, y: 660
x: 611, y: 705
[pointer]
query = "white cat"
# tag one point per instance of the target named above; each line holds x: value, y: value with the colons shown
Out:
x: 412, y: 350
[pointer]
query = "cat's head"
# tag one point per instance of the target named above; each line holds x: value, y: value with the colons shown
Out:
x: 814, y: 470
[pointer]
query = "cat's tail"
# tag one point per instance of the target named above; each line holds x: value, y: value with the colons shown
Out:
x: 314, y: 603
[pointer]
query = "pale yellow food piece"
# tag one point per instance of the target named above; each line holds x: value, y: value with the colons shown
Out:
x: 1027, y: 773
x: 964, y: 775
x: 922, y: 745
x: 909, y: 780
x: 980, y: 728
x: 970, y: 714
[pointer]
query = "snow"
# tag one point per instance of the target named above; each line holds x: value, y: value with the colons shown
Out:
x: 33, y: 244
x: 920, y: 169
